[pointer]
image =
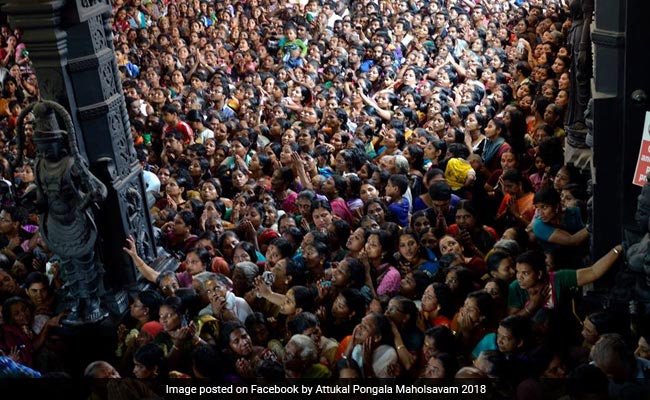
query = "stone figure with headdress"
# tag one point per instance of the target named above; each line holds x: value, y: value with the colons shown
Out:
x: 66, y: 194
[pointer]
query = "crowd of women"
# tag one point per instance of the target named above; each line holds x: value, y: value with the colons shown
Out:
x: 353, y: 189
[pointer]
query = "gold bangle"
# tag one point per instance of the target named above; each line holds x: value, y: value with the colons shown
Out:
x: 401, y: 346
x: 616, y: 251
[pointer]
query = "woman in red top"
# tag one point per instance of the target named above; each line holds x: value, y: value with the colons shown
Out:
x: 438, y: 305
x: 517, y: 208
x: 477, y: 239
x: 17, y: 332
x: 450, y: 245
x: 280, y: 184
x: 121, y: 23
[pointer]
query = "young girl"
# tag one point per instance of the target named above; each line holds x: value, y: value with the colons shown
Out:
x: 536, y: 174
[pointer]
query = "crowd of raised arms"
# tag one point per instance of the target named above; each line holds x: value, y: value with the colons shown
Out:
x: 352, y: 190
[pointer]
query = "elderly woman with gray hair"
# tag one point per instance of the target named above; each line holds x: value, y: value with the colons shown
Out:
x: 301, y: 359
x: 224, y: 304
x: 243, y: 279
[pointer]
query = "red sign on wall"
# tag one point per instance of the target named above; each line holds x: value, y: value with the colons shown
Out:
x: 643, y: 162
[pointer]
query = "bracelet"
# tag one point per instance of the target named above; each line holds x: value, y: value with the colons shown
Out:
x: 616, y: 251
x: 401, y: 346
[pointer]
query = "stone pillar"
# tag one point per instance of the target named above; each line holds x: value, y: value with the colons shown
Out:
x: 71, y: 47
x: 608, y: 37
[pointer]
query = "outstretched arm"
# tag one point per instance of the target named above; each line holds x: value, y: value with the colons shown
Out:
x: 563, y: 238
x: 149, y: 273
x: 591, y: 274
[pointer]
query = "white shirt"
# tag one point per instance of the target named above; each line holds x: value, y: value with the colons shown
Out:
x: 382, y: 358
x: 236, y: 305
x: 203, y: 135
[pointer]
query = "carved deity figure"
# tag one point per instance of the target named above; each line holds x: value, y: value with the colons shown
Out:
x: 67, y: 190
x: 579, y: 42
x: 577, y: 150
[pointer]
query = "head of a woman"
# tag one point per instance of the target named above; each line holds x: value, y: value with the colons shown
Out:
x: 279, y: 249
x: 478, y: 309
x: 315, y: 255
x: 235, y: 339
x: 500, y: 265
x: 459, y: 280
x: 449, y: 244
x: 509, y: 160
x: 420, y: 221
x: 173, y: 188
x: 297, y: 299
x: 515, y: 184
x: 149, y: 362
x: 349, y: 305
x: 429, y: 240
x: 254, y: 213
x: 146, y: 305
x: 495, y: 129
x: 466, y: 216
x: 379, y: 246
x: 349, y: 272
x: 172, y: 314
x: 438, y: 298
x: 376, y: 328
x: 185, y: 223
x: 565, y: 175
x: 599, y: 323
x: 197, y: 260
x: 439, y: 339
x: 530, y: 269
x: 402, y: 311
x: 244, y: 251
x: 413, y: 284
x: 356, y: 240
x: 17, y: 311
x: 376, y: 209
x: 514, y: 334
x: 321, y: 212
x: 547, y: 203
x: 441, y: 366
x: 409, y: 247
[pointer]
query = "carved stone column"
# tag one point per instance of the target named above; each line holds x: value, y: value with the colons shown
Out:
x: 71, y: 47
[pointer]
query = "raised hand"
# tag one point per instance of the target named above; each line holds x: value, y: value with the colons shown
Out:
x: 262, y: 288
x: 538, y: 296
x: 130, y: 246
x: 244, y: 368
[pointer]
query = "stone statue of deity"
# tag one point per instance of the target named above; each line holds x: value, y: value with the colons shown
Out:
x: 579, y: 45
x: 67, y: 192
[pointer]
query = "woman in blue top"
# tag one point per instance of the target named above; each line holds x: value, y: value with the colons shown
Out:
x: 412, y: 256
x: 554, y: 227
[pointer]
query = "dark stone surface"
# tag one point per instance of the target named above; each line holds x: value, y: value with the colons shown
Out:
x: 68, y: 195
x: 71, y: 47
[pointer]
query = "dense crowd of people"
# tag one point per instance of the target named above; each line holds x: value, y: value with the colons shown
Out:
x: 352, y: 189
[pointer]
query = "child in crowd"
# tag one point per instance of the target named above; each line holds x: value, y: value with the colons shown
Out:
x: 398, y: 203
